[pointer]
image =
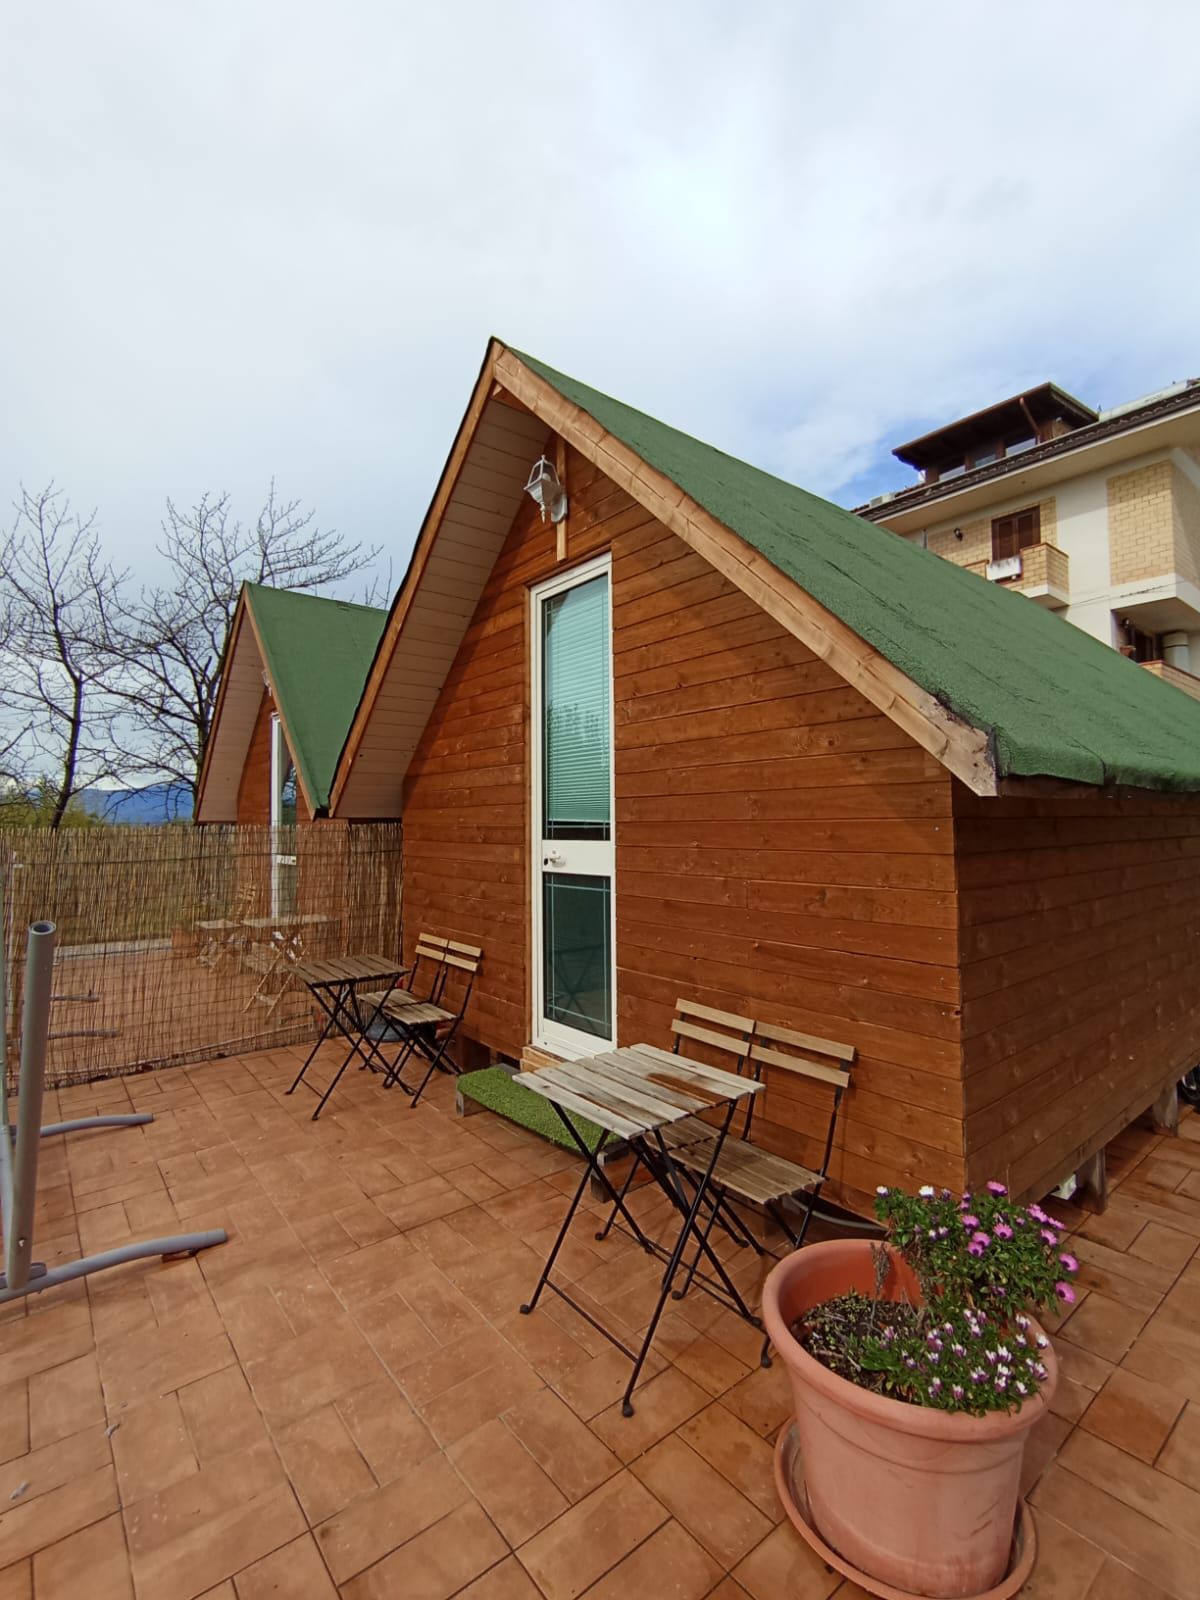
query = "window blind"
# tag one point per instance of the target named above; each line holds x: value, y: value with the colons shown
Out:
x: 577, y: 739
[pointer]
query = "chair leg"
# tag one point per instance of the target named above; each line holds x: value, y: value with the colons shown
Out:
x: 797, y: 1238
x: 440, y: 1057
x: 612, y: 1216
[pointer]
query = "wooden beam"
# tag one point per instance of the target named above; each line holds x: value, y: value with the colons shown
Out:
x: 963, y: 749
x: 1164, y: 1113
x: 560, y: 466
x: 506, y: 398
x: 1092, y: 1179
x: 231, y: 639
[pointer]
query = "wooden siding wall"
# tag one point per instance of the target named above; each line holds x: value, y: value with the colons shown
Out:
x: 782, y: 848
x: 254, y: 787
x: 1080, y: 927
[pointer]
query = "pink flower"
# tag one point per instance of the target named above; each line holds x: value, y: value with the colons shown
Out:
x: 970, y: 1222
x: 1038, y: 1214
x: 974, y: 1248
x: 1065, y: 1293
x: 1050, y: 1238
x: 981, y: 1239
x: 1003, y: 1231
x: 996, y: 1188
x: 1069, y: 1262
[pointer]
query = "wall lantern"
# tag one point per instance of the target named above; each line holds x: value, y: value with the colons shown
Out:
x: 545, y: 490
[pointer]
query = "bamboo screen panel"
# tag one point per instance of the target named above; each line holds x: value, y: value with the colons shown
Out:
x: 175, y: 944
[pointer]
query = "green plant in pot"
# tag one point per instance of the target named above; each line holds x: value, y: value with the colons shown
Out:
x: 917, y: 1372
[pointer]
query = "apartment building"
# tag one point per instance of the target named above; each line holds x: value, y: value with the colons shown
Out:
x: 1093, y: 514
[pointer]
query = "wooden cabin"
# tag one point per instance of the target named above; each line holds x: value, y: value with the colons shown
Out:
x: 709, y: 735
x: 291, y: 677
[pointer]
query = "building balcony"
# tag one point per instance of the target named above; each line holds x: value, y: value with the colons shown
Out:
x: 1187, y: 681
x: 1040, y: 571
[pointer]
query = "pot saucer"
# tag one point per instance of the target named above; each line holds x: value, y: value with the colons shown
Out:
x: 789, y: 1485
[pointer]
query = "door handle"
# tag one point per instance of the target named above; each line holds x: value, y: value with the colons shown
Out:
x: 552, y: 859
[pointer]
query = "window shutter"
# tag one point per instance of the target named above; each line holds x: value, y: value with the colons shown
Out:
x: 1012, y: 534
x: 1004, y: 538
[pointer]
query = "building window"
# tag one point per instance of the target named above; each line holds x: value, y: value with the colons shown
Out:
x: 1139, y: 646
x: 1012, y: 534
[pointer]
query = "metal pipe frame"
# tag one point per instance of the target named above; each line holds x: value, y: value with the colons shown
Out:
x: 19, y: 1150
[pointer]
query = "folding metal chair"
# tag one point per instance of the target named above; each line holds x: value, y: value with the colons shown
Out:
x: 225, y: 937
x: 425, y: 1028
x: 730, y: 1036
x: 426, y: 980
x: 747, y: 1173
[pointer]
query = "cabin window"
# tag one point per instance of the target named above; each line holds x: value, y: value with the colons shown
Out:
x: 1014, y: 533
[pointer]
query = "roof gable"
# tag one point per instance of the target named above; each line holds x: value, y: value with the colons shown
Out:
x: 990, y: 683
x: 317, y: 652
x: 312, y: 653
x: 1052, y: 700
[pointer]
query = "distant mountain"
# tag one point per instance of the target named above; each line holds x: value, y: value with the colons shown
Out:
x: 149, y: 807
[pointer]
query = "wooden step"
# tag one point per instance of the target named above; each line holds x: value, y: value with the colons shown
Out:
x: 534, y: 1058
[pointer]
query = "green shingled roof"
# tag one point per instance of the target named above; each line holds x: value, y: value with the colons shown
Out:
x: 318, y: 653
x: 1053, y: 700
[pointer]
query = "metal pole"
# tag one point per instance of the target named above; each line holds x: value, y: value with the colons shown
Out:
x: 35, y: 1025
x: 6, y: 1149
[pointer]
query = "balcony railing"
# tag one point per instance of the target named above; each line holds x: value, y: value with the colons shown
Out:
x: 1187, y: 681
x: 1041, y: 571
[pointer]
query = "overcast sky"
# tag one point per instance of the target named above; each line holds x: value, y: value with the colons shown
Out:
x: 252, y: 239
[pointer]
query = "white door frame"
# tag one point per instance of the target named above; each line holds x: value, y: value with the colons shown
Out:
x: 280, y: 757
x: 590, y: 857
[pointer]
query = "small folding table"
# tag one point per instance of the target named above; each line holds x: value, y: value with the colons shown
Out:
x: 334, y: 985
x: 634, y: 1093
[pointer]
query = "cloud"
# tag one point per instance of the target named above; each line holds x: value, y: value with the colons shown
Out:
x: 271, y: 239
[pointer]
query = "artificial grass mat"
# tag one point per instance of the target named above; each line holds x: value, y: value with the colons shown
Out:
x: 493, y: 1088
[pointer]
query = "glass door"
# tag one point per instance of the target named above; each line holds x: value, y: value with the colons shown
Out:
x: 283, y: 825
x: 572, y: 769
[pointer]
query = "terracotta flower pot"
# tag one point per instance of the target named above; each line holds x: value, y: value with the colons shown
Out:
x: 919, y: 1498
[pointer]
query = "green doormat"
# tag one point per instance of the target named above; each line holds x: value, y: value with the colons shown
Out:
x: 496, y: 1091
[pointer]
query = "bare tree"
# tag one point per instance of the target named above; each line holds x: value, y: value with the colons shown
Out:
x: 167, y: 661
x: 58, y: 596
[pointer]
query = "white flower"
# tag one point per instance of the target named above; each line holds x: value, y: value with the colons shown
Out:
x: 926, y: 1191
x: 882, y: 1189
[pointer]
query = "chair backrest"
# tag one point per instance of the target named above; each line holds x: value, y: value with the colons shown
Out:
x: 459, y: 967
x: 720, y: 1030
x: 723, y: 1032
x: 428, y: 976
x: 821, y: 1061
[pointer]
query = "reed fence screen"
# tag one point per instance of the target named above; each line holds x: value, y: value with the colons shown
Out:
x: 177, y: 944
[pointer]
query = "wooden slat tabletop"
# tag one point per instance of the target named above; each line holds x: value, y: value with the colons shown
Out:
x: 632, y: 1091
x: 626, y: 1127
x: 347, y: 969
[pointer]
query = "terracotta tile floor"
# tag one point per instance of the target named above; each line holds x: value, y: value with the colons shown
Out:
x: 343, y: 1400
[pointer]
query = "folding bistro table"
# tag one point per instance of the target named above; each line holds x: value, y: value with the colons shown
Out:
x: 635, y: 1093
x: 334, y: 985
x: 285, y: 945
